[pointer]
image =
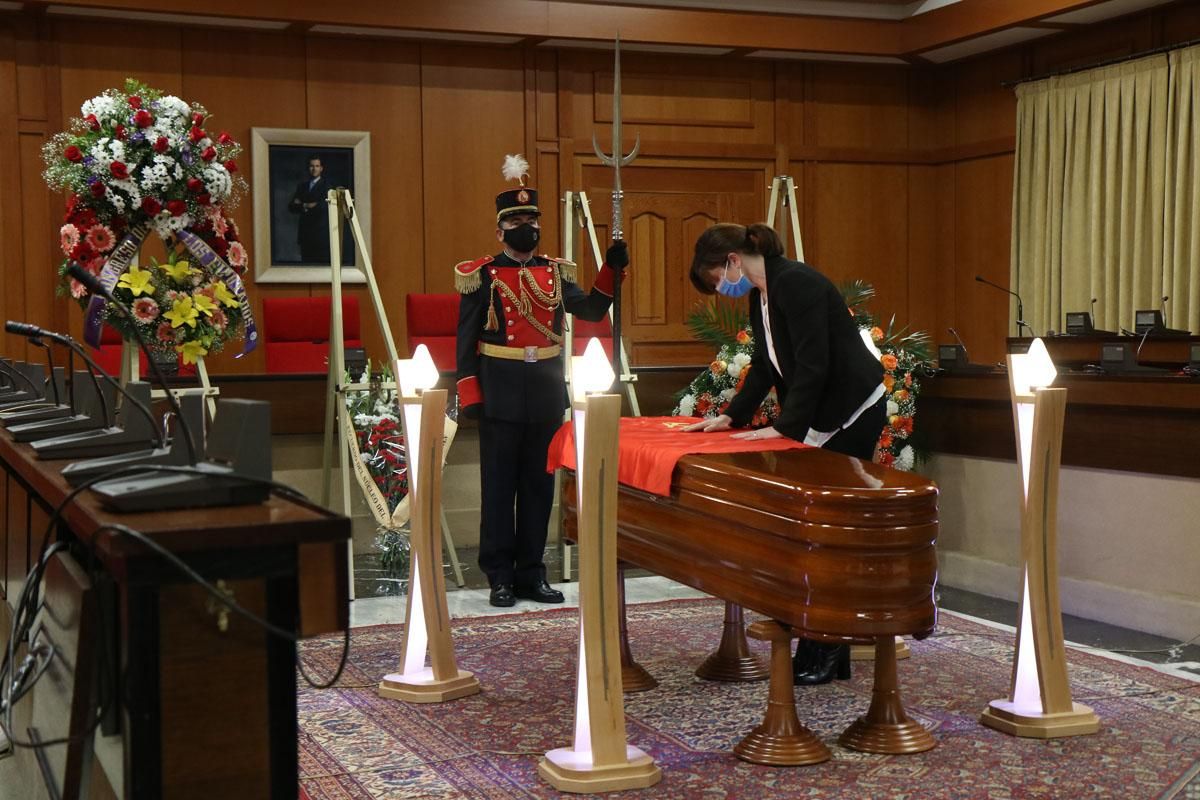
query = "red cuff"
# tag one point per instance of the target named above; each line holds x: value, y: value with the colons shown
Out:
x: 604, y: 281
x: 469, y: 392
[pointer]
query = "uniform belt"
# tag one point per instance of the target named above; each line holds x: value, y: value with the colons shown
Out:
x: 528, y: 354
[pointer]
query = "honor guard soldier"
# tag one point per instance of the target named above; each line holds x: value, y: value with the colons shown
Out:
x: 510, y: 378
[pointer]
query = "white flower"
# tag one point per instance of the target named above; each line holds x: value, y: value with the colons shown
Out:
x: 728, y: 394
x: 733, y: 370
x: 102, y: 106
x: 171, y: 106
x: 687, y: 404
x: 892, y: 408
x: 741, y: 359
x: 904, y: 461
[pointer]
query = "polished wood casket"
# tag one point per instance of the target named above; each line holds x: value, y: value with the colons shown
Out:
x: 837, y: 548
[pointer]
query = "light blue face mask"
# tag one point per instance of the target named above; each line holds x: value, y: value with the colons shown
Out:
x: 738, y: 288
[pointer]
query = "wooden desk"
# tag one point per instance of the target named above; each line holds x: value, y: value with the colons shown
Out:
x: 202, y: 712
x: 1138, y: 423
x: 1169, y: 352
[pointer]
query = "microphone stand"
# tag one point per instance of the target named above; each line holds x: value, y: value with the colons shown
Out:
x: 1020, y: 305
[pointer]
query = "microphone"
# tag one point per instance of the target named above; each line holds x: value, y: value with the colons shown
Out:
x: 958, y: 339
x: 1163, y: 308
x: 1020, y: 305
x: 34, y: 332
x: 94, y: 286
x: 37, y: 342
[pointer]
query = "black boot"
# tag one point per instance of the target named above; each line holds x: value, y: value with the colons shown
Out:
x: 829, y: 661
x: 802, y: 662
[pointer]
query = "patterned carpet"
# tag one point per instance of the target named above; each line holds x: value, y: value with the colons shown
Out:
x: 355, y: 745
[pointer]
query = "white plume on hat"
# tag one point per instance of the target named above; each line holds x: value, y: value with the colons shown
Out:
x: 515, y: 168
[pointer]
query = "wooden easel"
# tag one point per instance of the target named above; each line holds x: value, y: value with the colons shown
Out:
x: 784, y: 188
x: 577, y: 211
x: 338, y: 425
x: 131, y: 371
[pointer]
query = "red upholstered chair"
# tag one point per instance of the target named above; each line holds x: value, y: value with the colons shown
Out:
x: 295, y: 332
x: 583, y: 330
x: 433, y: 322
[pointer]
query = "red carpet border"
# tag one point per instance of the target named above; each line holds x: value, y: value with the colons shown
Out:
x: 354, y: 744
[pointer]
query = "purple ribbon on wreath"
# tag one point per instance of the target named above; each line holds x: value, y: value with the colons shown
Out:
x: 209, y: 259
x: 117, y: 263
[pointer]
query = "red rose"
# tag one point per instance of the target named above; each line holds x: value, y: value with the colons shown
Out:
x: 203, y: 198
x: 73, y: 154
x: 209, y: 153
x: 221, y: 246
x: 231, y: 165
x: 196, y: 133
x: 143, y: 119
x: 119, y: 131
x: 118, y: 170
x: 177, y: 207
x: 195, y: 184
x: 161, y: 144
x: 92, y: 122
x: 197, y: 118
x: 151, y: 206
x: 97, y: 189
x: 225, y: 138
x: 135, y: 102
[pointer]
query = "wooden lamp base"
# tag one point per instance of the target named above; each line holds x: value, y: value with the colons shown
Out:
x: 780, y: 741
x: 1079, y: 721
x: 424, y: 688
x: 886, y: 728
x: 569, y: 771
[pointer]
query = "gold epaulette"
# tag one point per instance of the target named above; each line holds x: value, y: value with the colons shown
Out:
x: 566, y: 269
x: 467, y: 275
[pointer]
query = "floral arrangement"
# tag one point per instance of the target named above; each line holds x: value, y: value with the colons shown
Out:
x: 137, y: 161
x: 375, y: 415
x: 905, y: 357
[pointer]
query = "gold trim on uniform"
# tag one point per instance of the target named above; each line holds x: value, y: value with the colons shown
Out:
x: 527, y: 283
x: 517, y: 210
x: 566, y: 269
x: 468, y: 276
x: 519, y: 353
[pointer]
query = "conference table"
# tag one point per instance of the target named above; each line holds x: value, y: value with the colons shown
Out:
x: 198, y: 702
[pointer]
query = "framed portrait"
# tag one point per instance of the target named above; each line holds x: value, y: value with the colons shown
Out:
x: 294, y: 170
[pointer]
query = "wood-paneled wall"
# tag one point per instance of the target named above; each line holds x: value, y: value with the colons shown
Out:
x: 904, y: 174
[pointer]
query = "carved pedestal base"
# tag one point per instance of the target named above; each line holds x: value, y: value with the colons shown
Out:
x: 886, y: 728
x: 780, y: 741
x: 733, y: 661
x: 634, y: 677
x: 566, y: 771
x: 1079, y: 721
x: 414, y: 689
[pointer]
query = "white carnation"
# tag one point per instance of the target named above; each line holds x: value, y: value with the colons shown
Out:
x: 728, y: 394
x: 892, y: 408
x: 102, y: 106
x: 905, y: 460
x: 687, y: 404
x: 741, y: 359
x: 733, y: 369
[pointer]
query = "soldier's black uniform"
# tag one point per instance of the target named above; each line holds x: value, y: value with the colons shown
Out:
x: 510, y: 375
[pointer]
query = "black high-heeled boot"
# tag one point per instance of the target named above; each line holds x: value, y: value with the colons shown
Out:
x: 802, y: 662
x: 829, y: 661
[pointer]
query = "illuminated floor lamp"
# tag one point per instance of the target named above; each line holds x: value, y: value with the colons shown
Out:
x: 427, y: 619
x: 599, y: 759
x: 1040, y: 704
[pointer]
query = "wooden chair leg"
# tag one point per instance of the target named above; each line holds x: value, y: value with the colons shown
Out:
x: 780, y: 741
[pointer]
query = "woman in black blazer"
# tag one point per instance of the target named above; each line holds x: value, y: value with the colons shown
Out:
x: 806, y: 345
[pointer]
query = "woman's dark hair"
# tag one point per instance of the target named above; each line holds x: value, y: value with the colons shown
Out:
x: 715, y: 244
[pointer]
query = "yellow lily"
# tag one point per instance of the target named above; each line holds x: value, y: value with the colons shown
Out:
x: 191, y: 351
x: 204, y: 304
x: 137, y: 281
x: 179, y: 271
x: 183, y: 312
x: 223, y: 295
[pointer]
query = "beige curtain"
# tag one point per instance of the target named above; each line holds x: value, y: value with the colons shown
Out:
x: 1181, y: 265
x: 1104, y: 186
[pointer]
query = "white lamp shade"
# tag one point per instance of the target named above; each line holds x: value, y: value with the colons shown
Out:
x: 591, y: 372
x: 418, y: 372
x: 1034, y: 369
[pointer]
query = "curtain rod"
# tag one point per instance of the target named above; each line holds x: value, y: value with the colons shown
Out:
x: 1107, y: 63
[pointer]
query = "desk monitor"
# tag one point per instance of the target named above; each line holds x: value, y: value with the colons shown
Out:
x: 1151, y: 321
x: 1121, y: 357
x: 1079, y: 323
x: 1194, y: 357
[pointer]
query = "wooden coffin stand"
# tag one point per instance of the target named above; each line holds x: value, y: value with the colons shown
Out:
x: 827, y: 546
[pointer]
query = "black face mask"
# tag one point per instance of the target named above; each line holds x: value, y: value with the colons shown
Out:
x: 523, y: 238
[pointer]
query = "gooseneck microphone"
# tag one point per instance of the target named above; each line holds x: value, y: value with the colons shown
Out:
x: 37, y: 342
x: 1020, y: 305
x: 33, y: 332
x: 94, y: 286
x: 961, y: 344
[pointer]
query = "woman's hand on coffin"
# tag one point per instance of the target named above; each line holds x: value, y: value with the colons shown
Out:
x: 721, y: 423
x: 761, y: 433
